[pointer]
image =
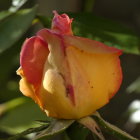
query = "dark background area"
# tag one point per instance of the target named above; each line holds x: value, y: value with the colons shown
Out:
x: 118, y: 111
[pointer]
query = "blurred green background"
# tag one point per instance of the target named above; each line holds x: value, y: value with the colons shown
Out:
x: 116, y: 23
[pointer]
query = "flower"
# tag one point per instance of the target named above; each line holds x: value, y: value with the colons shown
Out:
x: 69, y: 77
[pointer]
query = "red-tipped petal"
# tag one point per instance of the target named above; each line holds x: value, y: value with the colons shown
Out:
x: 33, y: 57
x: 90, y: 46
x: 62, y: 24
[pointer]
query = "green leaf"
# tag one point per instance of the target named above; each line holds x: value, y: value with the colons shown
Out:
x: 16, y: 4
x: 28, y: 131
x: 104, y: 30
x: 55, y: 127
x: 7, y: 106
x: 4, y: 14
x: 77, y: 132
x: 111, y: 129
x: 8, y: 60
x: 22, y: 117
x: 13, y: 27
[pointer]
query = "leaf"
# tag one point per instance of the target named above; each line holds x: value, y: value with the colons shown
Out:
x: 111, y: 129
x: 4, y: 14
x: 9, y: 81
x: 22, y: 117
x: 7, y: 106
x: 16, y: 4
x: 9, y: 60
x: 28, y: 131
x: 55, y: 127
x: 13, y: 27
x: 92, y: 125
x: 77, y: 132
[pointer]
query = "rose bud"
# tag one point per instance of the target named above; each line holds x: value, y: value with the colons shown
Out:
x: 69, y: 77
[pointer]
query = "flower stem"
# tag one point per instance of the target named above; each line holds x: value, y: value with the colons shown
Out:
x: 111, y: 129
x: 91, y: 124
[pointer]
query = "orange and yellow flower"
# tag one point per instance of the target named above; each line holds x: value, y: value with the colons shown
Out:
x: 68, y: 76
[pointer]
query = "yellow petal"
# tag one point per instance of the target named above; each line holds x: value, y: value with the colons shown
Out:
x: 26, y: 88
x: 95, y: 78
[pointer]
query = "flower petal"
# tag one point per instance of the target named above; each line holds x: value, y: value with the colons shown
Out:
x: 90, y: 46
x: 96, y: 74
x: 34, y: 54
x: 61, y: 24
x: 27, y: 88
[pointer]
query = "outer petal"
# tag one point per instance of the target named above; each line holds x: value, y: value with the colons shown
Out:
x: 88, y: 45
x: 25, y: 87
x: 91, y: 70
x: 95, y: 71
x: 34, y: 54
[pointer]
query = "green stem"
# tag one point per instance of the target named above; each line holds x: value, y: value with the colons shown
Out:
x: 91, y: 124
x: 95, y: 137
x: 111, y: 129
x: 88, y: 5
